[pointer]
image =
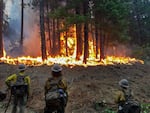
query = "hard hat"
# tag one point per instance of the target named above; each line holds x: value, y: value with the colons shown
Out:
x: 21, y: 67
x: 56, y: 68
x: 124, y: 83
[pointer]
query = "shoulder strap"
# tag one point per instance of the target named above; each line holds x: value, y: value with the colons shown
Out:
x: 53, y: 83
x: 127, y: 95
x: 20, y: 79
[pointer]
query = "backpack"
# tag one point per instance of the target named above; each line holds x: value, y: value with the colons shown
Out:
x: 131, y: 105
x: 19, y: 88
x: 54, y: 95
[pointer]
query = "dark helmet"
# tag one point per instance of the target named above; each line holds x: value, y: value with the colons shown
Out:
x: 21, y: 67
x: 56, y: 68
x: 124, y: 83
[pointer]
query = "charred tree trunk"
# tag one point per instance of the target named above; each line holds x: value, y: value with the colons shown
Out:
x: 106, y: 43
x: 102, y: 37
x: 97, y: 40
x: 97, y: 33
x: 78, y: 36
x: 22, y: 25
x: 79, y: 41
x: 85, y: 43
x: 48, y: 26
x: 86, y: 48
x: 58, y: 38
x: 53, y: 29
x: 54, y: 4
x: 42, y: 30
x: 53, y: 38
x: 66, y: 38
x: 1, y: 26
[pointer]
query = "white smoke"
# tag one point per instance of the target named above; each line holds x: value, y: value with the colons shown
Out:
x: 13, y: 34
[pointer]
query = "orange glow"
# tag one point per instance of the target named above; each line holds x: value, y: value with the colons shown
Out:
x: 67, y: 54
x: 69, y: 61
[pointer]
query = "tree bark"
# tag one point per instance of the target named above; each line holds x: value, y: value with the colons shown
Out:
x: 48, y: 26
x: 85, y: 11
x: 58, y: 38
x: 42, y: 31
x: 53, y: 38
x: 102, y: 37
x: 22, y: 25
x: 66, y: 38
x: 1, y: 26
x: 78, y: 36
x: 97, y: 40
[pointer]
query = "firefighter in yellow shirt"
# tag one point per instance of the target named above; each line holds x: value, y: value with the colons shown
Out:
x: 58, y: 83
x: 122, y: 94
x: 19, y: 84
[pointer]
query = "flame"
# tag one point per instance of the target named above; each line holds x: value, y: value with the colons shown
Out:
x: 70, y: 58
x: 69, y: 61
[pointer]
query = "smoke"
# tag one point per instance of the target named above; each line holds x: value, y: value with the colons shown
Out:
x: 31, y: 45
x: 119, y: 50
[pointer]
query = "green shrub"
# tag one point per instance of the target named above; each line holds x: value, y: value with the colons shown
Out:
x: 145, y: 108
x: 108, y: 110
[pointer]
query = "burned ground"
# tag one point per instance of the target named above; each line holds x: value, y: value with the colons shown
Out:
x: 86, y: 86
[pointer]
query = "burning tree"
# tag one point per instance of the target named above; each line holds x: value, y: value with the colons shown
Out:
x: 78, y: 31
x: 90, y: 23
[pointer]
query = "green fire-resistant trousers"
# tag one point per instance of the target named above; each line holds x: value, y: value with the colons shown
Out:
x: 19, y: 101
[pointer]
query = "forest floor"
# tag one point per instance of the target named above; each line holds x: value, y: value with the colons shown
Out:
x: 88, y: 87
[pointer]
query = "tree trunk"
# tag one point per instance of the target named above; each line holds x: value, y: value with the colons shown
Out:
x: 53, y: 38
x: 79, y: 41
x: 58, y: 38
x: 1, y: 26
x: 48, y: 26
x: 97, y: 40
x: 42, y: 30
x: 106, y: 43
x: 78, y: 36
x: 22, y: 15
x: 85, y: 43
x: 102, y: 37
x: 85, y: 11
x: 66, y: 38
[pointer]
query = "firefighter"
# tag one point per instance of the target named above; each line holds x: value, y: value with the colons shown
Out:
x: 122, y: 93
x: 19, y: 84
x: 55, y: 82
x: 125, y: 100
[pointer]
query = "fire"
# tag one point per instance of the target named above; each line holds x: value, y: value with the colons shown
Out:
x: 70, y: 58
x: 69, y: 61
x: 68, y: 53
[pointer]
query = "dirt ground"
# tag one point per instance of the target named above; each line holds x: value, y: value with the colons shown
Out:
x: 86, y: 85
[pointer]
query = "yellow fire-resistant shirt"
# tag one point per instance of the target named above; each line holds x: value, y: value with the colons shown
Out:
x: 12, y: 79
x: 119, y: 97
x: 122, y: 94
